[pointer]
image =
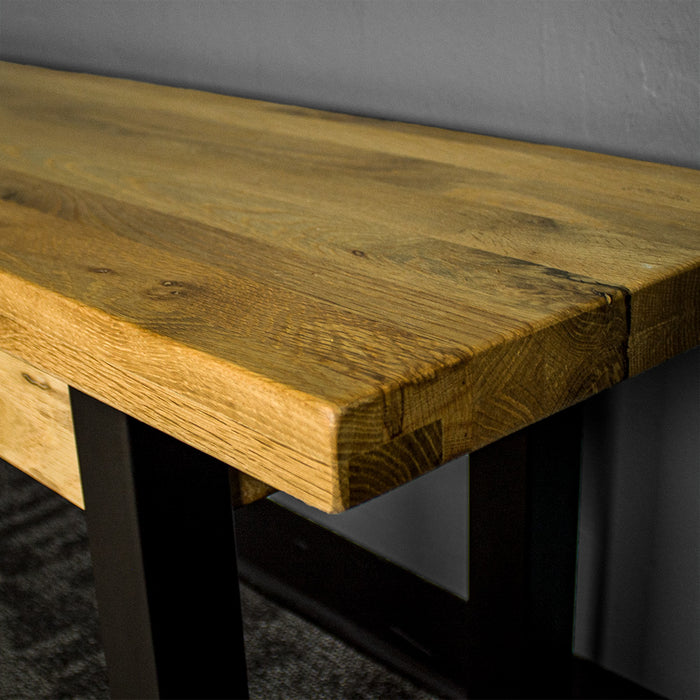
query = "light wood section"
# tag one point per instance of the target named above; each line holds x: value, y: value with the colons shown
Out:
x: 36, y: 427
x: 316, y: 298
x: 36, y: 434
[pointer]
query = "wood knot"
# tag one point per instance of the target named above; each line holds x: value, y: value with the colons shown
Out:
x: 170, y: 289
x: 608, y: 297
x: 39, y: 383
x: 359, y: 253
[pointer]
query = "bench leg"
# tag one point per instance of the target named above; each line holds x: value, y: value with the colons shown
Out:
x: 160, y: 526
x: 524, y: 504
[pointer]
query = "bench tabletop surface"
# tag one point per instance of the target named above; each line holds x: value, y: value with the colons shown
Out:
x: 331, y: 304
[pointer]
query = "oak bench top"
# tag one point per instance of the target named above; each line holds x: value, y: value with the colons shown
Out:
x: 331, y: 304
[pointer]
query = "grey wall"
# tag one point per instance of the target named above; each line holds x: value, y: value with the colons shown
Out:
x: 617, y: 76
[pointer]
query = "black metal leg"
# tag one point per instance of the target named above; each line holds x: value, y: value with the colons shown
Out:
x: 524, y: 493
x: 160, y: 525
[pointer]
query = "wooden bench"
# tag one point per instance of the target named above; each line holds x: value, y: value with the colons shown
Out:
x: 329, y: 305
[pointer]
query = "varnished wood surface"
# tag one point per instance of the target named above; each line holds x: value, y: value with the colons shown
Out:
x: 331, y: 304
x: 36, y: 434
x: 36, y: 427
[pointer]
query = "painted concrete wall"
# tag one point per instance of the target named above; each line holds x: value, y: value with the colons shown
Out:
x: 617, y: 76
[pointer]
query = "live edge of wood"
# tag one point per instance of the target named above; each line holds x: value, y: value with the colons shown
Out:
x: 332, y: 305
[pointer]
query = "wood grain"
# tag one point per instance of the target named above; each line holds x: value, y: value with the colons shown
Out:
x: 303, y: 294
x: 36, y: 427
x: 36, y: 434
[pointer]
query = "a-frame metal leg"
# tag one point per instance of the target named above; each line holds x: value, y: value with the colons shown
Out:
x: 161, y: 535
x: 523, y: 495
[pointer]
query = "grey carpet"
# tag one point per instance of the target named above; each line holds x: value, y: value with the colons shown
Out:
x: 49, y: 642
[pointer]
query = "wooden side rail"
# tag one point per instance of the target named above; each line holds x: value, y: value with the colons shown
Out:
x: 36, y: 427
x: 36, y: 434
